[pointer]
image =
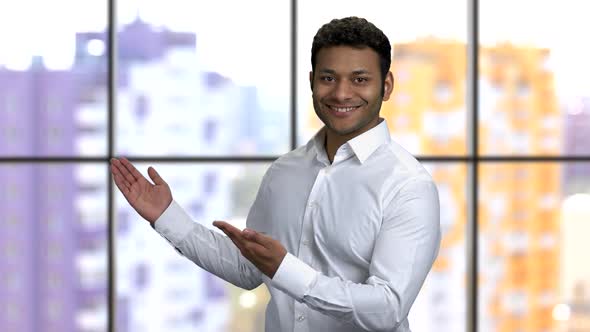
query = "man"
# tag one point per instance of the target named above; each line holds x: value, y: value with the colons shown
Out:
x: 343, y: 230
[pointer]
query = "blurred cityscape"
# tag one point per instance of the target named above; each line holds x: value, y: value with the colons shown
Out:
x: 53, y: 243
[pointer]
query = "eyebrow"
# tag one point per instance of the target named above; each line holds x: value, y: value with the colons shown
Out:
x: 355, y: 72
x: 360, y: 72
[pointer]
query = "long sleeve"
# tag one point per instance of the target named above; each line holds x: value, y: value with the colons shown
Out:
x: 404, y: 252
x: 210, y: 250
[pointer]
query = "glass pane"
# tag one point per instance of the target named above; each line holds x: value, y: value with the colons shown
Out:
x: 533, y: 231
x: 154, y: 281
x: 53, y: 264
x: 426, y: 112
x: 534, y: 78
x: 441, y: 305
x: 200, y: 78
x: 52, y: 78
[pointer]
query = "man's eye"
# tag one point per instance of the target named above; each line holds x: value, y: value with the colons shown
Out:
x: 327, y: 78
x: 360, y: 79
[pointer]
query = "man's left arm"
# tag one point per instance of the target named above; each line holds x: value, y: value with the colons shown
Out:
x: 404, y: 252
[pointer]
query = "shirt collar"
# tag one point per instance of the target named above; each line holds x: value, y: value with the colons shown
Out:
x: 317, y: 142
x: 362, y: 145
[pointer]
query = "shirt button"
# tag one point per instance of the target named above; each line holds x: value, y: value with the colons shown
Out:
x: 305, y: 243
x: 301, y: 318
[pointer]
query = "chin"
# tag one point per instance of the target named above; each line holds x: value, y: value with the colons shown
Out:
x: 343, y: 131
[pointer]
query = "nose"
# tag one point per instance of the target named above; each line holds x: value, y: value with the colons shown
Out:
x: 343, y: 90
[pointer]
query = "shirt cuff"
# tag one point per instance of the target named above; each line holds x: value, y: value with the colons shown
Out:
x: 294, y: 277
x: 174, y: 224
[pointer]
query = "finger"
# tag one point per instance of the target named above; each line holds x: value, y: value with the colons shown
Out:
x: 115, y: 169
x: 222, y: 225
x: 155, y: 176
x: 121, y: 185
x: 249, y: 249
x: 123, y: 170
x: 228, y: 226
x: 230, y: 231
x: 238, y: 241
x: 125, y: 182
x: 259, y: 238
x: 116, y: 172
x: 232, y: 234
x: 134, y: 172
x: 255, y: 249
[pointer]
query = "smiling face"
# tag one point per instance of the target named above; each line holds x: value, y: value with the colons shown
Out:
x: 347, y: 89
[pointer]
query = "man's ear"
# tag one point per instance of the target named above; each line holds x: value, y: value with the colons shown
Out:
x: 388, y: 86
x: 311, y: 80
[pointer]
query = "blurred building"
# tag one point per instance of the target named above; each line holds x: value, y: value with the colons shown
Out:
x: 577, y: 118
x: 426, y: 112
x: 42, y: 240
x: 426, y: 115
x: 520, y: 115
x: 53, y: 256
x: 575, y: 213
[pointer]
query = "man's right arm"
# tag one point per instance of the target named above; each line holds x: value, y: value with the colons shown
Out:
x: 208, y: 249
x: 211, y: 251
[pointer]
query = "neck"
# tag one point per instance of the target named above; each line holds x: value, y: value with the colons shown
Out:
x: 334, y: 140
x: 332, y: 143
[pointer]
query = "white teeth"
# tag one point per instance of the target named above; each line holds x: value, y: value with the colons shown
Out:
x: 342, y: 109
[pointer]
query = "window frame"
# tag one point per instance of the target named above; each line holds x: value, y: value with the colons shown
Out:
x: 473, y: 160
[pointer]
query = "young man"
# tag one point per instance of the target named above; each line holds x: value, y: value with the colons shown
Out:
x: 343, y: 230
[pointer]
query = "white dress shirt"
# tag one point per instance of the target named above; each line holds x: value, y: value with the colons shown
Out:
x: 361, y: 235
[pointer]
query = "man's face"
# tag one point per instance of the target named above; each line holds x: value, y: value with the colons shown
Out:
x: 346, y: 89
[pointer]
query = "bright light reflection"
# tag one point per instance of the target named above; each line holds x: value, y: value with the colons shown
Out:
x: 248, y: 300
x: 95, y: 47
x: 561, y: 312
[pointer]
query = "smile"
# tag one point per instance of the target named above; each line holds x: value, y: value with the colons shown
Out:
x: 343, y: 109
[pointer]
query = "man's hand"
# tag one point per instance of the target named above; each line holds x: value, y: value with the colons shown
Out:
x: 149, y: 200
x: 263, y: 251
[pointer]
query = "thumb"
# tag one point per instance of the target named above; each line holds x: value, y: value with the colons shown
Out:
x: 155, y: 176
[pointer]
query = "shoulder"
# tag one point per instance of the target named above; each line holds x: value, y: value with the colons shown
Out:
x: 299, y: 158
x: 404, y: 162
x: 404, y: 172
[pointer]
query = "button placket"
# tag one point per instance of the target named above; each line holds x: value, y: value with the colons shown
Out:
x: 306, y: 234
x: 300, y: 317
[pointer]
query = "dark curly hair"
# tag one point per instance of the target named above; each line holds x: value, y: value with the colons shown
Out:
x: 356, y: 32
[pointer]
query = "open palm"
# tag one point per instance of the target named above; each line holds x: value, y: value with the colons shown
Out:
x: 149, y: 200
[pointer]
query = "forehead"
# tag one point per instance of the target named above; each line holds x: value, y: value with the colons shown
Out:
x: 347, y: 58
